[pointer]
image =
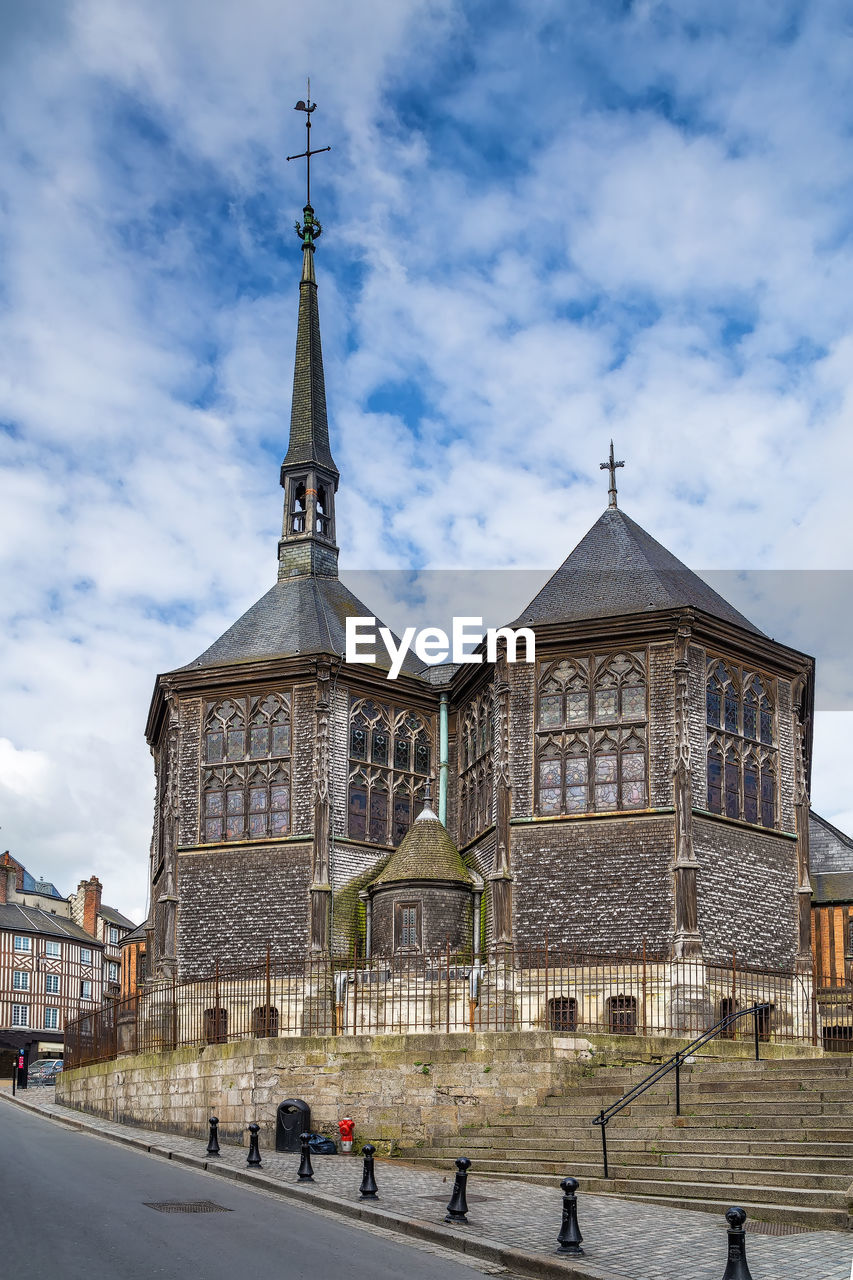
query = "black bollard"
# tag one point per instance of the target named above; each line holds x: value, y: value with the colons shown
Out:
x: 368, y: 1189
x: 213, y: 1140
x: 458, y: 1207
x: 254, y: 1156
x: 570, y: 1236
x: 305, y: 1173
x: 736, y: 1268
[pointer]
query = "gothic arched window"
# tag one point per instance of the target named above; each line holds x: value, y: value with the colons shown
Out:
x: 390, y: 754
x: 475, y: 760
x: 742, y: 773
x: 591, y: 741
x: 246, y: 795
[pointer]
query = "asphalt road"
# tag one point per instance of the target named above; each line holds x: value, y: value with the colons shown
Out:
x: 74, y: 1207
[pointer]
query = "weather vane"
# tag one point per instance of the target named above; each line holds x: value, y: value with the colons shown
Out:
x: 310, y: 229
x: 611, y: 466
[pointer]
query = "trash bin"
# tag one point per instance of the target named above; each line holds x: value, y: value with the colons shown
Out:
x: 292, y: 1118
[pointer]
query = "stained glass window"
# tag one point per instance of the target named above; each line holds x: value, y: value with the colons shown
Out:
x: 215, y: 746
x: 379, y: 750
x: 605, y: 705
x: 378, y: 828
x: 766, y: 722
x: 422, y: 755
x: 750, y: 791
x: 768, y: 798
x: 577, y: 708
x: 402, y: 817
x: 605, y: 781
x: 732, y: 776
x: 633, y: 703
x: 715, y: 781
x: 396, y: 742
x: 577, y: 772
x: 750, y: 720
x: 550, y: 785
x: 714, y: 702
x: 357, y: 812
x: 633, y: 779
x: 358, y: 741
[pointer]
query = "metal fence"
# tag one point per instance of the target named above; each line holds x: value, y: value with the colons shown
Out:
x: 530, y: 989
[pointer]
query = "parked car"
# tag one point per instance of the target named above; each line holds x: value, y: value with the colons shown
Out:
x: 44, y: 1071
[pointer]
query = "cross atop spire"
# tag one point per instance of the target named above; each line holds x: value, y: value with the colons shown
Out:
x: 611, y: 466
x: 310, y: 228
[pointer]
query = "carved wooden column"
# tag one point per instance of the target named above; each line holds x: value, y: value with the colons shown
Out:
x: 321, y: 888
x: 688, y: 940
x: 167, y: 900
x: 801, y: 810
x: 500, y: 878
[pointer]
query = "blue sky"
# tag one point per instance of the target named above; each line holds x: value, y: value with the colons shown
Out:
x: 545, y: 224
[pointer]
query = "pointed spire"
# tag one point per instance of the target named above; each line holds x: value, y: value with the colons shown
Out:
x: 309, y: 476
x: 309, y: 425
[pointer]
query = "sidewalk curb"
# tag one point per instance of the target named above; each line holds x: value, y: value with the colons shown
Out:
x: 549, y: 1267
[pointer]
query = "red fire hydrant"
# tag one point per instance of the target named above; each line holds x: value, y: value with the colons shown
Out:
x: 346, y: 1127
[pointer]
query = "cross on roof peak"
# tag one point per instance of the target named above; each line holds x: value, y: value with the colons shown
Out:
x: 611, y: 466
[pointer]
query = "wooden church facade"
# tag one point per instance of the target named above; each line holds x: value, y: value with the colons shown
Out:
x: 643, y: 784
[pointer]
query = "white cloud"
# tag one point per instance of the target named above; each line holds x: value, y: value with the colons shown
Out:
x: 543, y: 231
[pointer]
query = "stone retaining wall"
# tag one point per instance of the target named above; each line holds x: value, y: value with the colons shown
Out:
x: 399, y: 1089
x: 396, y: 1088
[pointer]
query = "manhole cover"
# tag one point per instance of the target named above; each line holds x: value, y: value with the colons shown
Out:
x: 185, y: 1206
x: 776, y: 1228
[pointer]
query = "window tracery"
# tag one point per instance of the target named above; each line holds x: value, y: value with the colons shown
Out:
x: 742, y: 767
x: 475, y: 762
x: 390, y: 757
x: 591, y: 734
x: 246, y: 771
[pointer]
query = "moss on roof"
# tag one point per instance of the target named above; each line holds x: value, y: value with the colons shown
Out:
x: 425, y: 853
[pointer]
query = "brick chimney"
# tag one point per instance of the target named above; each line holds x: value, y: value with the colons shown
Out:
x: 91, y: 904
x: 8, y: 877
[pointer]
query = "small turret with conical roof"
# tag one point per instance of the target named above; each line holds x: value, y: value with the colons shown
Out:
x: 423, y: 899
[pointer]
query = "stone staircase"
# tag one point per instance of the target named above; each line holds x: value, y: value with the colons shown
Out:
x: 775, y: 1137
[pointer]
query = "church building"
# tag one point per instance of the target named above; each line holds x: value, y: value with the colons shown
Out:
x: 643, y: 784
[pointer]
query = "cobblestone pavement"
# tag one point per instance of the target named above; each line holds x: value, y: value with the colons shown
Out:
x: 623, y: 1240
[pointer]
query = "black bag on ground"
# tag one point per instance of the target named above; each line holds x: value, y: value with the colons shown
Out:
x: 320, y: 1145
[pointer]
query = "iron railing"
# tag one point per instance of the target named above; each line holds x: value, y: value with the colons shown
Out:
x: 523, y: 989
x: 760, y: 1019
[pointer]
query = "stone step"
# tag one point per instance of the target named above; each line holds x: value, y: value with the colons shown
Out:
x: 794, y: 1205
x: 646, y: 1154
x: 821, y: 1185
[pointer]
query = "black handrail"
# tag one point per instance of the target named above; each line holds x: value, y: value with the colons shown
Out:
x: 674, y: 1064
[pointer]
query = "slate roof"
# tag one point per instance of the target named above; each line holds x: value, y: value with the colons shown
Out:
x: 309, y: 424
x: 136, y: 935
x: 304, y: 615
x: 426, y: 852
x: 115, y: 917
x: 830, y: 850
x: 832, y: 886
x: 43, y: 887
x: 19, y: 919
x: 618, y: 568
